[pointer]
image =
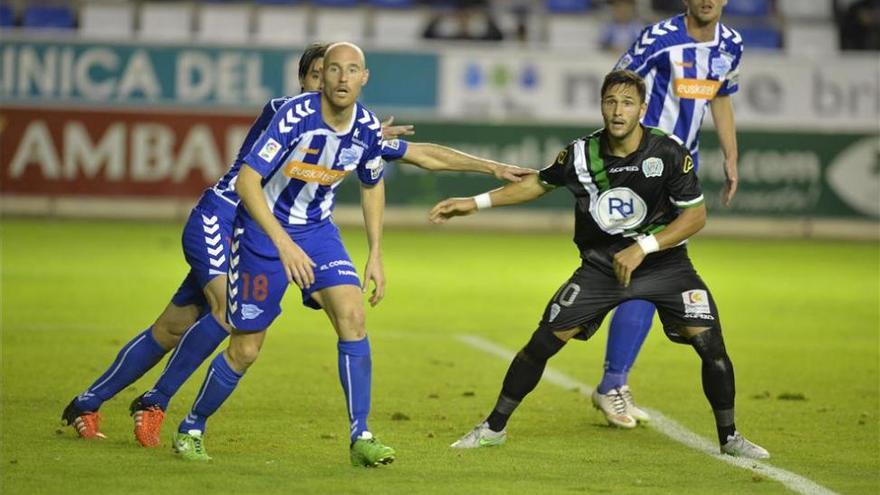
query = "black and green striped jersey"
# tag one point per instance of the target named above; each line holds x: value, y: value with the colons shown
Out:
x: 618, y: 199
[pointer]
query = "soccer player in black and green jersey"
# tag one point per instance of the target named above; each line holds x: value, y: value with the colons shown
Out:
x: 637, y: 200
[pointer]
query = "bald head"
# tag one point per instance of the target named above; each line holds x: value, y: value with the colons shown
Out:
x: 345, y: 49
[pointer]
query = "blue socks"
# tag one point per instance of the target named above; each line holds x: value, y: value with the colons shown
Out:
x: 629, y: 328
x: 194, y: 347
x: 219, y: 384
x: 355, y: 374
x: 136, y: 358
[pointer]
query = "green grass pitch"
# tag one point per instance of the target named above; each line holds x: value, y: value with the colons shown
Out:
x: 800, y: 318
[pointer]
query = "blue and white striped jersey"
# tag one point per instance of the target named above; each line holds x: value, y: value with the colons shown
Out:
x: 303, y: 161
x: 225, y: 187
x: 682, y: 75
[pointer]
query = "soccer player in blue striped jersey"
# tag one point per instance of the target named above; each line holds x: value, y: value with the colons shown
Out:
x: 194, y: 321
x: 283, y: 234
x: 689, y: 62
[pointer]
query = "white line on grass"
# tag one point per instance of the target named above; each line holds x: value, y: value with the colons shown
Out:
x: 666, y: 426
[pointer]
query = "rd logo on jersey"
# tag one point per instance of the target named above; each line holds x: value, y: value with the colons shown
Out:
x: 619, y: 209
x: 652, y: 167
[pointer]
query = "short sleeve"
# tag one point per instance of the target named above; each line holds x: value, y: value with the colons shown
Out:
x: 371, y: 168
x: 681, y: 178
x: 268, y: 151
x: 394, y: 149
x: 554, y: 174
x: 731, y: 79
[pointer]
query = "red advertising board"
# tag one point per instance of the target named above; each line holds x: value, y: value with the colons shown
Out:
x: 51, y: 152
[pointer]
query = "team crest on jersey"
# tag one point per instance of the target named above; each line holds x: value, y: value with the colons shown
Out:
x: 688, y: 164
x: 554, y: 312
x: 350, y: 155
x: 721, y: 65
x: 652, y: 167
x: 269, y: 150
x: 250, y: 311
x: 619, y: 209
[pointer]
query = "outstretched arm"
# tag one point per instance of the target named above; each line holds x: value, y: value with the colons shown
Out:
x: 373, y: 204
x: 511, y: 194
x: 431, y: 156
x: 297, y: 264
x: 722, y: 115
x: 390, y: 131
x: 687, y: 224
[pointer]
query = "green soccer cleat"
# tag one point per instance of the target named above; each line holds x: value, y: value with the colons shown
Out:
x: 190, y: 445
x: 370, y: 452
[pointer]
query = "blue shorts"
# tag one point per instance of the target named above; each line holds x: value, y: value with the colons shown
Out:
x: 257, y: 281
x: 206, y: 238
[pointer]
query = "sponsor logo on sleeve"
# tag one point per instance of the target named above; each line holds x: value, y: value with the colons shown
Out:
x: 269, y: 150
x: 652, y: 167
x: 688, y: 164
x: 560, y: 158
x: 624, y: 61
x: 375, y: 166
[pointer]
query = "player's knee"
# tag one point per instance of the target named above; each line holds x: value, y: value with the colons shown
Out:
x: 243, y: 354
x: 542, y: 346
x: 709, y: 344
x: 351, y: 323
x: 167, y: 332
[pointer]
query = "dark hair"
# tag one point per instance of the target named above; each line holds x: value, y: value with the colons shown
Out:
x: 314, y: 51
x: 626, y: 78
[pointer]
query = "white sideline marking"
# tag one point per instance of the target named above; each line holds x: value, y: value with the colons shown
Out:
x: 666, y: 426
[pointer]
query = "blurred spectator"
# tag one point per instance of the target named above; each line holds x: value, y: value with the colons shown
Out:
x: 623, y: 29
x: 667, y: 8
x: 468, y: 20
x: 860, y: 26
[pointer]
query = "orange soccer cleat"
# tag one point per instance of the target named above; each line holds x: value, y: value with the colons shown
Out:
x: 147, y: 423
x: 86, y: 423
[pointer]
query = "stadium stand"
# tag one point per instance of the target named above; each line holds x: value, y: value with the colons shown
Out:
x: 166, y: 21
x: 106, y: 20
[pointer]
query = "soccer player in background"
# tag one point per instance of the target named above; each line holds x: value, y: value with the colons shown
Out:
x: 194, y: 321
x: 637, y: 200
x: 689, y: 62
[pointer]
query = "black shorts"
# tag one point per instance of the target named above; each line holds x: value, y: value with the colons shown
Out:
x: 668, y: 280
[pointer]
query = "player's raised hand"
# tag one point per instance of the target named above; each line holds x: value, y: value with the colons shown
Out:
x: 375, y: 272
x: 297, y: 264
x: 625, y: 263
x: 512, y: 173
x: 453, y: 207
x: 390, y: 131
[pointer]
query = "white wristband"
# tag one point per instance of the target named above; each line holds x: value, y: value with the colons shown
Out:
x: 649, y: 244
x: 483, y: 201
